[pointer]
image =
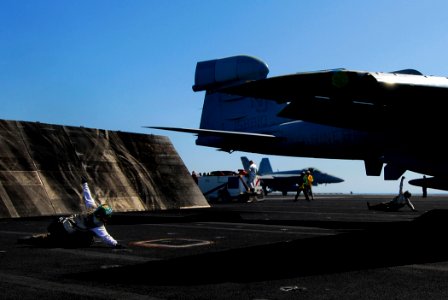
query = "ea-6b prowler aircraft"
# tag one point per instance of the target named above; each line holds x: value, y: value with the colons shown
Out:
x: 286, y: 181
x: 391, y: 119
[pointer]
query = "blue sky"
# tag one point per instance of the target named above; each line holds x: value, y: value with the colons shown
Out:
x: 122, y: 65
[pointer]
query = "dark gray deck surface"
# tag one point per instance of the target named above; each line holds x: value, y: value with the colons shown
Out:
x: 331, y: 248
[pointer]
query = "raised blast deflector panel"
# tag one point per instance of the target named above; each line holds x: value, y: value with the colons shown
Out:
x: 41, y: 166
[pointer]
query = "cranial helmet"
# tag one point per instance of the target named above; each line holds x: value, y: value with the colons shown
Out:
x: 103, y: 211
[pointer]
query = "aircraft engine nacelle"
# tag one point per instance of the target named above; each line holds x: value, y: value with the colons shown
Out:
x: 212, y: 74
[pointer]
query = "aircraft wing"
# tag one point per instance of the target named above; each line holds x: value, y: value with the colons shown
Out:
x: 232, y: 139
x: 220, y: 133
x: 352, y: 99
x: 319, y: 178
x: 279, y: 176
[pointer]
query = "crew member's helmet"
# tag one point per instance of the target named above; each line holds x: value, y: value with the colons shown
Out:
x: 103, y: 212
x: 407, y: 194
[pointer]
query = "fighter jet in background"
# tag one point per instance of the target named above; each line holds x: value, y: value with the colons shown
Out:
x: 286, y: 181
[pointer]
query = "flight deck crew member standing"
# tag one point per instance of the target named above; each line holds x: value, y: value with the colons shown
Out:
x: 253, y: 170
x: 301, y: 186
x: 396, y: 203
x: 310, y: 180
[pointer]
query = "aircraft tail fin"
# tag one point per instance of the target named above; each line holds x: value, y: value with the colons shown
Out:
x: 218, y: 73
x: 230, y: 122
x: 245, y: 162
x: 265, y: 166
x: 231, y: 112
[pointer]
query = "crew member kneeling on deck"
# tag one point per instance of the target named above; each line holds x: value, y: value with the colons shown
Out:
x: 78, y: 230
x: 396, y: 203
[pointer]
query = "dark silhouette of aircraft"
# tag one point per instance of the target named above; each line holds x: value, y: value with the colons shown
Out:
x: 386, y: 119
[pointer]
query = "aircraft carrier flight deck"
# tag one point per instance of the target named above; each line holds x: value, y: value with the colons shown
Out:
x: 329, y: 248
